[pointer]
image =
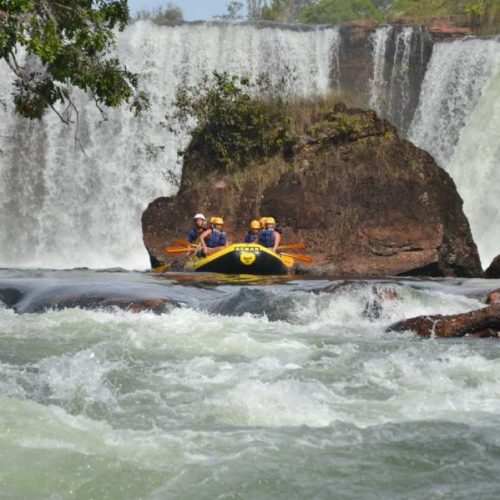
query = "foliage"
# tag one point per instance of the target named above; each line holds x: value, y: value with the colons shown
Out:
x: 337, y: 11
x: 70, y: 42
x: 254, y: 9
x: 227, y: 123
x: 169, y: 14
x: 479, y: 14
x: 233, y: 12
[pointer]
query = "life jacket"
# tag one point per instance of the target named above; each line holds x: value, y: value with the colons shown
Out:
x: 217, y: 239
x: 194, y: 234
x: 267, y: 238
x: 251, y: 237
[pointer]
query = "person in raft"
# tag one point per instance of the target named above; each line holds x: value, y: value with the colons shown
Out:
x: 253, y: 235
x: 214, y: 239
x: 269, y: 237
x: 200, y: 225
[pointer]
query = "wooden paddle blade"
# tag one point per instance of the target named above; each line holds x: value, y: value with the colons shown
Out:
x: 177, y: 250
x: 287, y: 260
x: 299, y: 256
x: 162, y: 268
x: 183, y: 243
x: 292, y: 246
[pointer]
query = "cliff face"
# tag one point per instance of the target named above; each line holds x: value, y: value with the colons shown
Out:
x: 365, y: 202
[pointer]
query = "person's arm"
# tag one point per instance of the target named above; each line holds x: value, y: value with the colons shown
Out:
x: 277, y: 240
x: 203, y: 235
x: 191, y: 236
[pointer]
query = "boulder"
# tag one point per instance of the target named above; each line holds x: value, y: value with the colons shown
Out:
x: 481, y: 323
x: 493, y: 271
x: 365, y: 202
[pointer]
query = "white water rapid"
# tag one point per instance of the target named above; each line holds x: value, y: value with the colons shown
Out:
x: 458, y: 121
x: 62, y: 205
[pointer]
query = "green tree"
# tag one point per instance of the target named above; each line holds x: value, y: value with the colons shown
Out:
x: 227, y: 124
x: 71, y: 41
x: 283, y: 10
x: 232, y: 13
x: 337, y: 11
x: 254, y: 9
x: 169, y: 14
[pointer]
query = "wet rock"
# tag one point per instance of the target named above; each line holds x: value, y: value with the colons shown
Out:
x: 481, y: 323
x: 493, y: 271
x: 493, y: 297
x: 365, y: 202
x: 30, y: 296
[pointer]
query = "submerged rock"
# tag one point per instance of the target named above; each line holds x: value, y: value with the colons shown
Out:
x: 365, y: 201
x: 493, y: 271
x: 29, y: 296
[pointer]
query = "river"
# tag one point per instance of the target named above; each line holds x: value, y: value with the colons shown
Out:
x: 243, y: 388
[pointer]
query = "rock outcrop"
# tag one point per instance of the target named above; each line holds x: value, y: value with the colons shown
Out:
x: 493, y: 271
x: 482, y: 323
x: 365, y: 202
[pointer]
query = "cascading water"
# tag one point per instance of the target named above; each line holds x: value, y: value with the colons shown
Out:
x: 73, y: 196
x: 475, y: 168
x: 456, y: 76
x: 378, y: 84
x: 400, y: 56
x: 399, y: 82
x: 457, y: 121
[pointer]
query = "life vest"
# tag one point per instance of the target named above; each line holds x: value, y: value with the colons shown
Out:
x: 194, y: 234
x: 251, y: 237
x: 267, y: 238
x: 217, y: 239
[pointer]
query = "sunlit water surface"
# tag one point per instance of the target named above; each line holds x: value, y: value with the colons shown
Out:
x: 258, y: 389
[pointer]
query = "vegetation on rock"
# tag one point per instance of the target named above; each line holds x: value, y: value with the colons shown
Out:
x: 67, y: 43
x: 227, y: 120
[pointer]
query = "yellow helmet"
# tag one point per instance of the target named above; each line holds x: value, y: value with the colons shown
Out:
x: 262, y: 222
x: 255, y: 224
x: 212, y: 220
x: 218, y: 220
x: 270, y: 220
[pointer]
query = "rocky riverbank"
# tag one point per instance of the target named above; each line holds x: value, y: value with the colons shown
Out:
x: 365, y: 201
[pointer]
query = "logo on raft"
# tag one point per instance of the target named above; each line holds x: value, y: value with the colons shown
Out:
x: 248, y: 258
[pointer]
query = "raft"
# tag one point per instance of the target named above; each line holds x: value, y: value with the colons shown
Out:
x: 242, y: 258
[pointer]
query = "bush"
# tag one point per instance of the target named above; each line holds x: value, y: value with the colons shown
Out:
x: 169, y: 14
x: 228, y: 124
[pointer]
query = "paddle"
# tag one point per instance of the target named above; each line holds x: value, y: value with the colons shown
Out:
x: 162, y: 268
x: 177, y: 250
x: 287, y: 260
x: 298, y: 256
x: 292, y: 246
x: 183, y: 243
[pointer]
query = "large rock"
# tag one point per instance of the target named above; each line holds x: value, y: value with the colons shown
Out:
x: 481, y: 323
x: 493, y: 271
x: 366, y: 202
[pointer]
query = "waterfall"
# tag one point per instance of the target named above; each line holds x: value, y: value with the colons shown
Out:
x: 378, y: 84
x: 400, y: 79
x: 457, y: 74
x: 400, y: 56
x: 475, y: 167
x: 457, y: 121
x: 73, y: 195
